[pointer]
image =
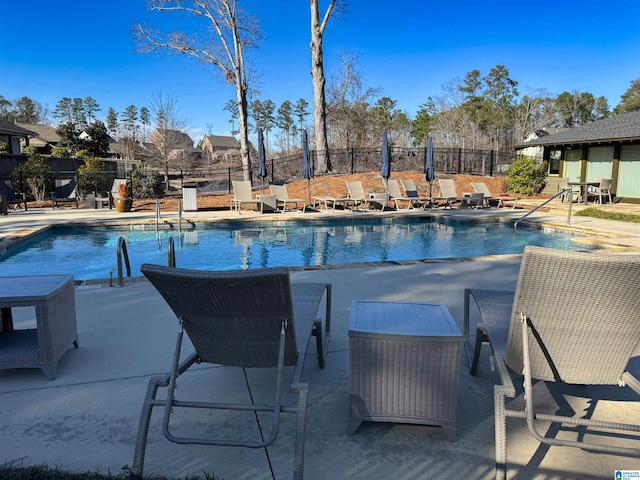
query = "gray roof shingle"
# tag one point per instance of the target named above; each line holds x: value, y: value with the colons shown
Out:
x: 625, y: 126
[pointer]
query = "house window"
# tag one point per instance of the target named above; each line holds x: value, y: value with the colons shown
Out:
x: 554, y: 162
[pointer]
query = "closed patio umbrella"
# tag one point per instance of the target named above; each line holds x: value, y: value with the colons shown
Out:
x: 307, y: 172
x: 430, y: 174
x: 385, y: 172
x: 262, y: 166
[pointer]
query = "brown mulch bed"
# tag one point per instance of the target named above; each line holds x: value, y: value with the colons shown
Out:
x: 332, y: 185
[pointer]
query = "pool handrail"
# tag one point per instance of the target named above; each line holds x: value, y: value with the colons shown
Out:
x: 561, y: 192
x: 171, y: 253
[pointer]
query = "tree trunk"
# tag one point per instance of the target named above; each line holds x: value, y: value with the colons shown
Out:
x: 244, y: 132
x: 323, y: 164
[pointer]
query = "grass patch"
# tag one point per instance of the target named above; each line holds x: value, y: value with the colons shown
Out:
x: 620, y: 217
x: 43, y: 472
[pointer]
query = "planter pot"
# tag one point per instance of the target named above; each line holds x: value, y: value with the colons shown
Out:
x: 123, y: 204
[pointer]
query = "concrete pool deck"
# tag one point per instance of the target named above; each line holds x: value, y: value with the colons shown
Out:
x: 86, y: 419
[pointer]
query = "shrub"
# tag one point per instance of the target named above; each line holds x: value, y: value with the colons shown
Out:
x: 4, y: 148
x: 36, y: 174
x: 60, y: 152
x: 526, y: 175
x: 84, y: 153
x: 92, y: 176
x: 29, y: 150
x: 146, y: 182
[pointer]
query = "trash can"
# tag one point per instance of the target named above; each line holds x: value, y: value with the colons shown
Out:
x: 90, y: 200
x: 189, y: 197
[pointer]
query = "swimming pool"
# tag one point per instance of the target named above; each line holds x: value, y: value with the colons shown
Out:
x: 90, y: 252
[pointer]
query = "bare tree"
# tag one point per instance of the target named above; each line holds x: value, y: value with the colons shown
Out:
x: 168, y: 140
x: 222, y: 44
x: 318, y: 27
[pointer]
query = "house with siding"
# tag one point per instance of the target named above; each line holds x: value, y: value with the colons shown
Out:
x: 45, y: 137
x: 13, y: 134
x: 216, y: 144
x: 607, y: 148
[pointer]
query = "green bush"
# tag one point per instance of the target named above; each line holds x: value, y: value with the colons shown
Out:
x: 36, y: 175
x: 4, y: 148
x: 526, y: 176
x: 60, y: 152
x: 29, y: 150
x: 84, y: 153
x: 146, y: 182
x: 92, y: 176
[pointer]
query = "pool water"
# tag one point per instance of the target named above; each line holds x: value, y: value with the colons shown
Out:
x: 90, y: 252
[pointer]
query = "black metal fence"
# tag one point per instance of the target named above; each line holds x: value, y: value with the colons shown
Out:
x: 218, y: 180
x: 359, y: 160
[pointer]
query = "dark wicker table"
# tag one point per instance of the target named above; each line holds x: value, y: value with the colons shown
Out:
x: 404, y: 361
x: 53, y: 297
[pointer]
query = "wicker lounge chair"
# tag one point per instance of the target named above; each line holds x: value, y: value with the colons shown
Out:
x: 563, y: 327
x: 481, y: 187
x: 66, y: 192
x: 242, y: 194
x: 249, y: 319
x: 282, y: 197
x: 10, y: 197
x: 412, y: 198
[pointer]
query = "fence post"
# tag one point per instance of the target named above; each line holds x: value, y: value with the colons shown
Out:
x: 491, y: 160
x: 459, y: 161
x: 352, y: 160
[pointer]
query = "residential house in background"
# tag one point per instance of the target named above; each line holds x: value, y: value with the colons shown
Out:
x: 44, y: 140
x: 607, y: 148
x: 178, y: 146
x: 13, y: 135
x: 537, y: 151
x: 215, y: 145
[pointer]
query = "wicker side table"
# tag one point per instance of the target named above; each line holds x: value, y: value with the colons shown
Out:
x: 53, y: 297
x: 404, y: 363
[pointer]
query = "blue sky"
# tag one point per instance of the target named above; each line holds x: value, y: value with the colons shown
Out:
x: 407, y: 50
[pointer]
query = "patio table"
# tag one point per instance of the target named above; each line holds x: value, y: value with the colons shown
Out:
x: 584, y: 189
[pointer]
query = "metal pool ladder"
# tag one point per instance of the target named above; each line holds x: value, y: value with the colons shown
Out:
x: 121, y: 254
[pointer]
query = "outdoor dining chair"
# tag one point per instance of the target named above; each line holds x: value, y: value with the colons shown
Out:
x: 248, y: 319
x: 566, y: 328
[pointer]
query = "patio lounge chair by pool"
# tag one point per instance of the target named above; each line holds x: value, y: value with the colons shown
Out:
x: 481, y: 187
x: 10, y: 197
x: 66, y: 192
x: 282, y: 197
x: 411, y: 194
x: 563, y: 327
x: 357, y: 195
x: 242, y: 194
x: 448, y: 192
x: 248, y: 319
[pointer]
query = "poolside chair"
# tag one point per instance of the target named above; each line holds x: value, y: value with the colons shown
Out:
x: 481, y: 187
x: 563, y: 184
x: 242, y: 194
x: 412, y: 198
x: 113, y: 193
x: 66, y: 192
x: 248, y: 319
x: 448, y: 192
x: 602, y: 190
x: 10, y: 197
x: 565, y: 328
x: 282, y: 197
x: 359, y: 198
